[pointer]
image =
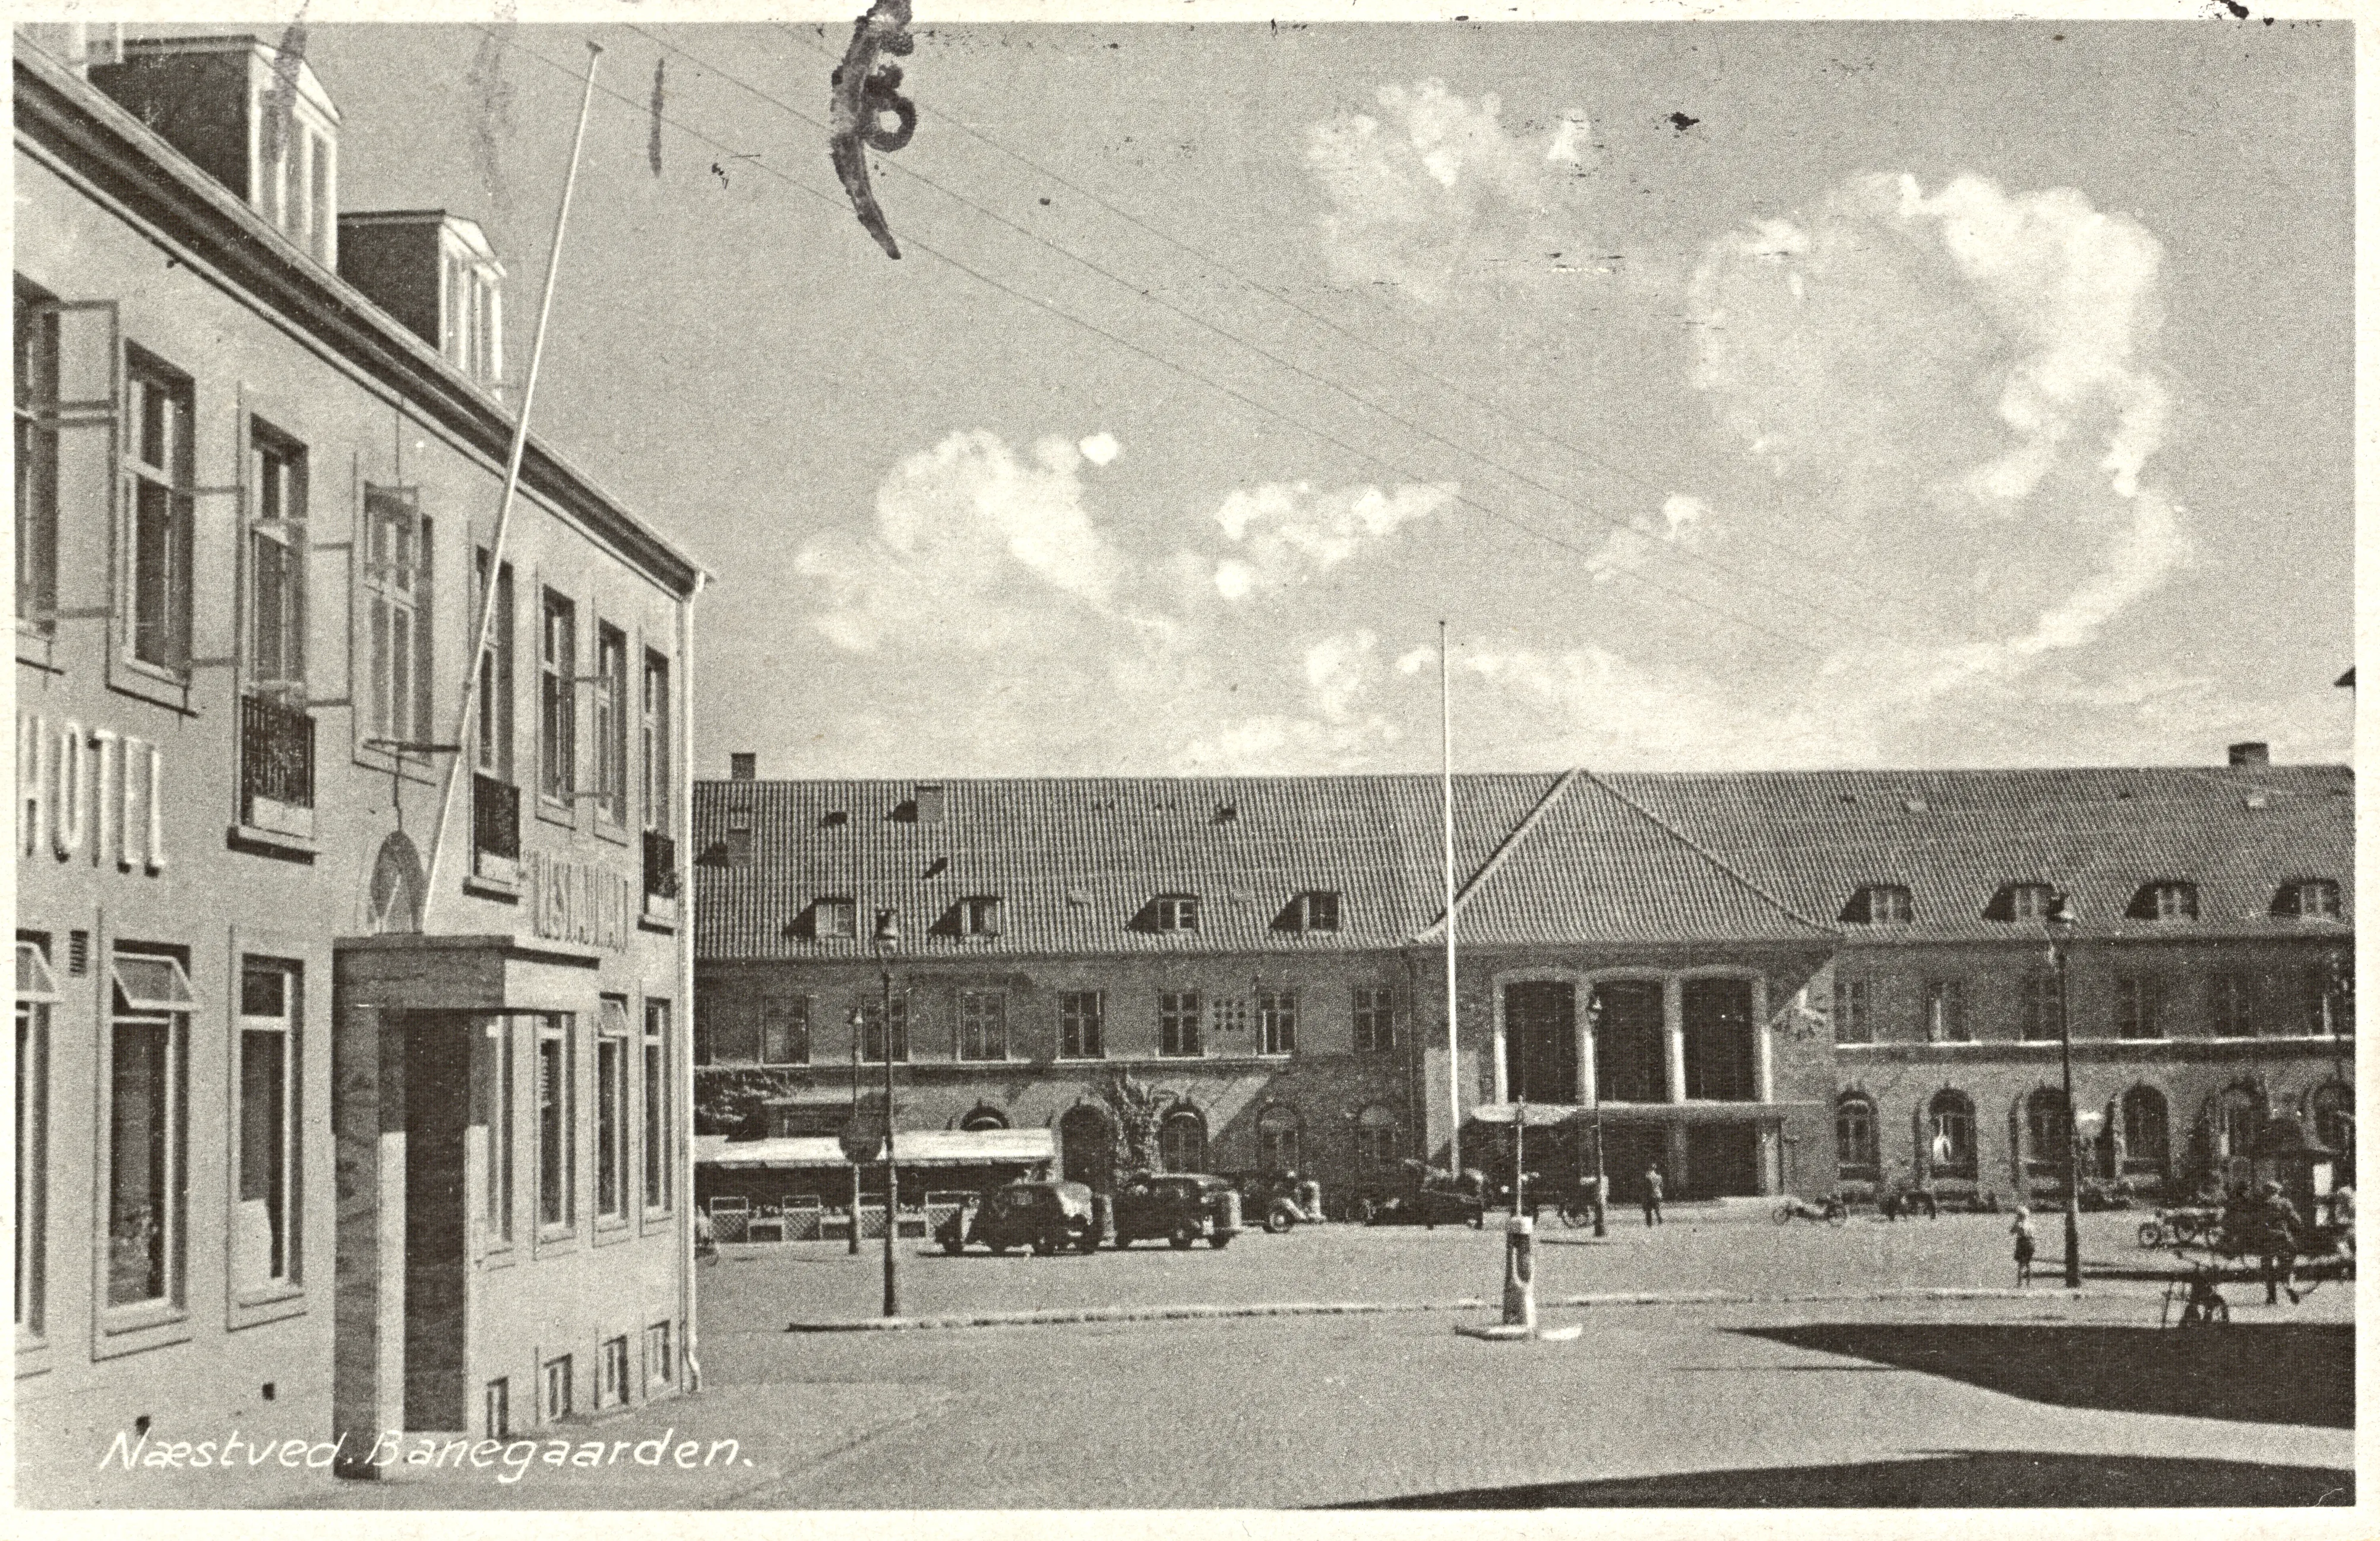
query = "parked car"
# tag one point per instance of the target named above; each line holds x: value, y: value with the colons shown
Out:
x: 1180, y: 1206
x: 1431, y: 1197
x: 1048, y: 1217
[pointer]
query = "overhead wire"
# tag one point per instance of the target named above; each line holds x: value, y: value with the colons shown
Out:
x: 836, y: 200
x: 1620, y: 525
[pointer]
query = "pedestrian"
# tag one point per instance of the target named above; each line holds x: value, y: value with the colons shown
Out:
x: 2023, y: 1232
x: 1653, y: 1195
x: 2272, y: 1227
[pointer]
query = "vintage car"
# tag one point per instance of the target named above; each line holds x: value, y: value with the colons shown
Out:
x: 1048, y: 1217
x: 1180, y: 1206
x: 1433, y: 1197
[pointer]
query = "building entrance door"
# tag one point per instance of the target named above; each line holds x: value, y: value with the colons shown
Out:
x: 1540, y: 1042
x: 1722, y: 1161
x: 1085, y: 1151
x: 437, y: 1107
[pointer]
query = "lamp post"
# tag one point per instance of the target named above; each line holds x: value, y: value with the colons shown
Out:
x: 1594, y: 1044
x: 887, y: 940
x: 859, y: 1026
x: 2061, y: 925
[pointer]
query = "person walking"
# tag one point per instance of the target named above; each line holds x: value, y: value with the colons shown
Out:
x: 2023, y: 1232
x: 1653, y: 1195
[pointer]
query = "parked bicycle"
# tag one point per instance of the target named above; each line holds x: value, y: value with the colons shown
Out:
x: 1831, y: 1209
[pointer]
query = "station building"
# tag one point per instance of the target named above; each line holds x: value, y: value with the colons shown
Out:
x: 322, y: 1128
x: 1259, y: 959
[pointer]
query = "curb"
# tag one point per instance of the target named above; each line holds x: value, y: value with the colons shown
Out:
x: 1371, y: 1309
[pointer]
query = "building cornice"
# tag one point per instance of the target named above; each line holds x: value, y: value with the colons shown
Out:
x: 65, y: 122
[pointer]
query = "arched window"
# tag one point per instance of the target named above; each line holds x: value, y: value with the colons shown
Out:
x: 2333, y: 1105
x: 1855, y: 1136
x: 2239, y: 1117
x: 1950, y: 1135
x: 1277, y: 1138
x: 2147, y: 1146
x: 983, y: 1115
x: 1376, y: 1140
x: 1181, y: 1141
x: 2046, y: 1131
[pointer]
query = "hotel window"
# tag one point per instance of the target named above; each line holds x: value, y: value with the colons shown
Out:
x: 1375, y: 1019
x: 1227, y: 1019
x: 660, y: 1362
x: 37, y: 461
x: 2312, y: 899
x: 654, y: 741
x: 1946, y: 1013
x: 612, y: 1110
x: 1181, y: 1141
x: 496, y: 1408
x: 2024, y: 902
x: 557, y: 1389
x: 494, y: 1085
x: 1314, y: 910
x: 147, y: 1122
x: 37, y: 991
x: 264, y: 1241
x: 277, y: 559
x: 660, y: 1099
x: 739, y: 848
x: 2231, y: 1004
x: 1176, y: 912
x: 397, y: 602
x: 2041, y: 1009
x: 2165, y: 899
x: 785, y: 1030
x: 612, y: 1383
x: 1082, y: 1023
x: 1951, y: 1141
x: 557, y: 662
x: 1376, y: 1142
x: 871, y: 1029
x: 835, y: 917
x: 2139, y: 1007
x: 494, y: 735
x: 1853, y: 1021
x: 162, y: 492
x: 1277, y: 1022
x: 557, y: 1123
x: 1855, y: 1150
x: 983, y: 1025
x: 611, y: 726
x: 980, y: 916
x: 1878, y: 905
x: 1177, y: 1024
x: 1277, y: 1138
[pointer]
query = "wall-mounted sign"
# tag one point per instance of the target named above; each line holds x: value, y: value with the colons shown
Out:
x: 89, y: 789
x: 577, y: 901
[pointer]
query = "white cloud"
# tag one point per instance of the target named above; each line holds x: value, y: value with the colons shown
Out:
x: 1435, y: 194
x: 1338, y: 727
x: 1596, y: 709
x: 971, y: 543
x: 1101, y: 449
x: 1288, y: 532
x: 1682, y: 524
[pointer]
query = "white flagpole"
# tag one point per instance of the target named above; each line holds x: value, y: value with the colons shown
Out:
x: 460, y: 738
x: 1446, y: 797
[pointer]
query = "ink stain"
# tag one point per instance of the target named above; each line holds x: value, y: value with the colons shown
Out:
x: 2239, y: 11
x: 864, y: 91
x: 1681, y: 122
x: 653, y: 144
x: 1045, y: 203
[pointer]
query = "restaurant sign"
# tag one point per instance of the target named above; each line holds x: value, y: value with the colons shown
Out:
x: 577, y: 901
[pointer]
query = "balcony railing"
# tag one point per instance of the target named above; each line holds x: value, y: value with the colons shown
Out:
x: 276, y: 767
x: 661, y: 876
x: 495, y: 829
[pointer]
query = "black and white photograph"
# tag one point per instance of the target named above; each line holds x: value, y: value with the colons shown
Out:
x: 965, y: 764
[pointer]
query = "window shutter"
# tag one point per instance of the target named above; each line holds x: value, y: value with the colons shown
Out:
x: 88, y: 418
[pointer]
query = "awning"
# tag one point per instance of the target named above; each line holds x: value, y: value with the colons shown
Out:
x: 918, y: 1148
x: 1553, y: 1115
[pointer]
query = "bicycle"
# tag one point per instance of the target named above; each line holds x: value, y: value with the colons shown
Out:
x: 1832, y: 1210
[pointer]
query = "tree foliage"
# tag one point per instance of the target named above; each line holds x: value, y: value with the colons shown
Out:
x: 1135, y: 1110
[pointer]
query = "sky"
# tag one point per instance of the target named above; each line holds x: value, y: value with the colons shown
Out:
x: 1748, y: 395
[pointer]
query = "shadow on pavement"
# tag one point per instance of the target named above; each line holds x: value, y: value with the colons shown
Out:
x: 1970, y: 1479
x: 2280, y: 1373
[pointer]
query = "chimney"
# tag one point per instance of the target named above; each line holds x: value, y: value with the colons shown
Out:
x: 929, y: 802
x: 434, y: 272
x: 742, y: 766
x: 253, y: 118
x: 2251, y: 754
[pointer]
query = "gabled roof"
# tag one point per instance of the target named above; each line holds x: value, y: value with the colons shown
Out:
x: 1539, y: 857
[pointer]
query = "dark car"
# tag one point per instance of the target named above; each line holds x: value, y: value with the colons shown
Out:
x: 1046, y: 1217
x: 1182, y: 1206
x: 1431, y: 1197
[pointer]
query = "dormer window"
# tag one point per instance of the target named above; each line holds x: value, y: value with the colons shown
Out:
x: 2021, y: 902
x: 2165, y: 899
x: 436, y: 273
x: 1314, y: 910
x: 980, y: 915
x: 1175, y: 912
x: 834, y: 916
x: 739, y: 837
x: 1877, y: 904
x: 2307, y: 899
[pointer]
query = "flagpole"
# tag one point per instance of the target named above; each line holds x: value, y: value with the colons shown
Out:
x: 1446, y: 804
x: 504, y: 509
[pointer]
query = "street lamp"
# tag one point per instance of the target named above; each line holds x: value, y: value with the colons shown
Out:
x: 859, y: 1026
x: 888, y: 940
x: 2061, y: 925
x: 1594, y: 1046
